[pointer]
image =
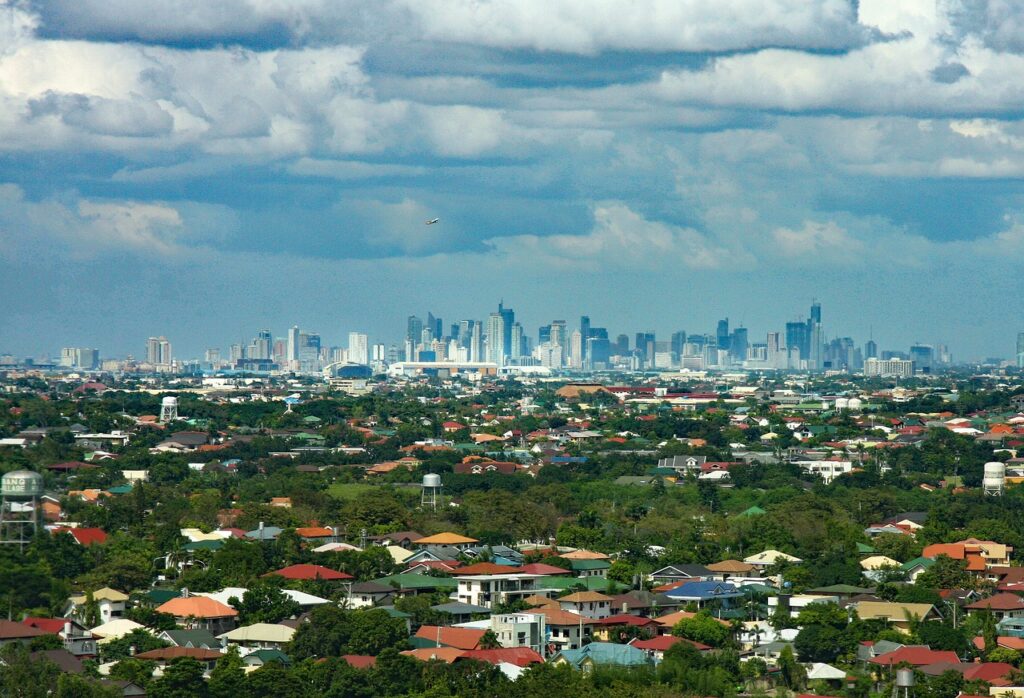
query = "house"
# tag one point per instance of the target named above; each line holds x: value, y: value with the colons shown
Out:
x: 114, y: 630
x: 259, y: 636
x: 166, y: 655
x: 655, y: 647
x: 1002, y: 605
x: 706, y: 594
x: 798, y: 602
x: 680, y: 573
x: 614, y: 628
x: 77, y: 640
x: 258, y: 658
x: 587, y: 603
x: 481, y: 466
x: 981, y: 555
x: 110, y: 604
x: 202, y: 639
x: 200, y: 612
x: 84, y: 536
x: 916, y: 567
x: 310, y: 573
x: 914, y: 655
x: 520, y: 657
x: 602, y: 653
x: 443, y: 636
x: 491, y: 590
x: 367, y: 594
x: 528, y: 629
x: 403, y: 539
x: 461, y: 612
x: 565, y: 630
x: 316, y: 535
x: 767, y: 558
x: 898, y: 615
x: 727, y: 569
x: 590, y: 568
x: 447, y: 538
x: 12, y: 632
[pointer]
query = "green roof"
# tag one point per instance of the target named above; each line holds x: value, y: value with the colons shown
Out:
x: 204, y: 545
x: 120, y: 489
x: 599, y: 584
x: 590, y: 564
x: 392, y: 611
x: 925, y: 562
x: 161, y: 596
x: 841, y: 589
x: 270, y: 656
x: 752, y: 511
x: 417, y: 581
x: 865, y: 548
x: 311, y: 419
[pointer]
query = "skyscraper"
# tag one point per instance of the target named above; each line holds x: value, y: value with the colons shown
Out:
x: 584, y: 334
x: 678, y: 340
x: 516, y: 348
x: 1020, y: 350
x: 158, y: 352
x: 738, y: 344
x: 293, y: 343
x: 414, y: 329
x: 576, y: 349
x: 496, y: 338
x: 509, y: 318
x: 358, y: 348
x: 871, y: 349
x: 476, y: 342
x: 723, y: 334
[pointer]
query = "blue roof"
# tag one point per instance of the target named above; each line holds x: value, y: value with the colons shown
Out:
x: 605, y: 653
x: 705, y: 591
x: 568, y: 459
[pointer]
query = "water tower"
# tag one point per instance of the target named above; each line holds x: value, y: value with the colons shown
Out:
x: 20, y: 491
x: 904, y: 685
x: 431, y: 493
x: 993, y: 479
x: 168, y: 409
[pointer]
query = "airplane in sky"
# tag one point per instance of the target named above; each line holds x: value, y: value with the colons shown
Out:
x: 432, y: 221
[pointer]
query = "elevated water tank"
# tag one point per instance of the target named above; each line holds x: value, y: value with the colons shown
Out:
x: 904, y: 678
x: 431, y: 480
x: 993, y: 478
x: 21, y: 483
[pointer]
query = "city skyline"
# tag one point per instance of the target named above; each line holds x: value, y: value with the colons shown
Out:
x: 867, y: 154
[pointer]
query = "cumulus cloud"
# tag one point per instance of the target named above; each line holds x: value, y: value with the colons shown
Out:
x: 817, y: 241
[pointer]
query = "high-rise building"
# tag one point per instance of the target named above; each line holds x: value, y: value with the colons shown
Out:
x: 584, y: 334
x: 622, y: 345
x: 738, y: 344
x: 358, y: 348
x: 870, y: 349
x: 212, y: 355
x: 516, y: 349
x: 158, y: 352
x: 678, y: 340
x: 435, y: 325
x: 897, y: 368
x: 544, y: 334
x: 293, y: 343
x: 815, y: 338
x: 496, y: 338
x: 722, y: 335
x: 509, y: 317
x: 1020, y: 350
x: 576, y: 349
x: 414, y: 329
x: 476, y: 342
x: 798, y: 337
x: 923, y: 356
x: 262, y: 345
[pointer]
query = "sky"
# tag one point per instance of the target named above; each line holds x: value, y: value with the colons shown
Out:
x: 203, y: 170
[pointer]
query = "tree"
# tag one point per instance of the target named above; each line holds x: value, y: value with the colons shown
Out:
x: 489, y: 641
x: 138, y: 671
x: 139, y: 639
x: 227, y: 679
x: 829, y: 614
x: 182, y: 678
x: 21, y: 677
x: 332, y: 631
x: 272, y: 679
x: 74, y: 686
x: 820, y: 643
x: 793, y: 675
x: 703, y: 628
x: 940, y: 636
x: 265, y: 602
x: 946, y: 573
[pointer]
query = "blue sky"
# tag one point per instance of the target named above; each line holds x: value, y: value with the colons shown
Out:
x: 202, y: 170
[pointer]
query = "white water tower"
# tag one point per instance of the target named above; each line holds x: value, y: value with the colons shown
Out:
x: 993, y: 479
x: 168, y: 409
x: 904, y: 685
x: 19, y: 510
x: 430, y: 495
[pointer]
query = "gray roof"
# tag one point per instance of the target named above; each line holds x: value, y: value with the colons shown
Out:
x: 191, y: 638
x: 457, y: 608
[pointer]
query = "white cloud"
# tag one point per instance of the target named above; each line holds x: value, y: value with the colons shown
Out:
x: 817, y: 241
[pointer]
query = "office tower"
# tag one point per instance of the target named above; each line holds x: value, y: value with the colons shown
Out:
x: 516, y: 348
x: 644, y: 348
x: 544, y: 334
x: 815, y: 338
x: 235, y: 352
x: 622, y: 345
x: 409, y: 350
x: 496, y: 338
x: 584, y: 334
x: 798, y: 338
x: 663, y: 355
x: 558, y: 334
x: 816, y: 312
x: 358, y: 348
x: 435, y: 325
x: 678, y: 340
x: 465, y: 332
x: 923, y: 356
x: 262, y: 345
x: 870, y: 349
x: 738, y: 344
x: 414, y: 329
x: 67, y: 357
x: 598, y: 351
x: 153, y: 350
x: 293, y: 344
x: 212, y: 355
x: 508, y: 317
x: 1020, y: 350
x: 379, y: 353
x: 280, y: 351
x: 476, y: 342
x: 722, y: 335
x: 455, y: 331
x: 576, y: 349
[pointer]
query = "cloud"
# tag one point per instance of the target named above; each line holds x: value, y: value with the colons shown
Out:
x: 107, y: 117
x: 817, y: 241
x: 619, y: 239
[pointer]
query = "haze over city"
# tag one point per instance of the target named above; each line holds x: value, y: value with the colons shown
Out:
x: 202, y: 171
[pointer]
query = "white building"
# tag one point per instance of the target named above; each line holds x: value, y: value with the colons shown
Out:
x: 358, y: 348
x: 520, y: 630
x: 895, y: 368
x: 489, y: 590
